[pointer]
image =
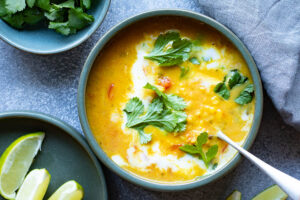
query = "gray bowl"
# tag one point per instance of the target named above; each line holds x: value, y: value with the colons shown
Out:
x: 131, y: 177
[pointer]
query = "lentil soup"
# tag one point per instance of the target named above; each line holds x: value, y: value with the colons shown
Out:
x: 197, y: 83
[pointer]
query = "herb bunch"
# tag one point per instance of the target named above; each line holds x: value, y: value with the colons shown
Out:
x: 65, y: 17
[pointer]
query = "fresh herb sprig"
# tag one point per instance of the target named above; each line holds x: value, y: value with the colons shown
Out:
x: 235, y: 78
x: 170, y: 49
x: 165, y: 112
x: 246, y: 95
x: 197, y: 149
x: 232, y: 79
x: 222, y: 90
x: 66, y: 17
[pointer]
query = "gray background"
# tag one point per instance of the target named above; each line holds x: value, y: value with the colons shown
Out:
x: 49, y: 84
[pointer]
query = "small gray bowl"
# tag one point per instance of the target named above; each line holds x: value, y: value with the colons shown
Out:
x: 131, y: 177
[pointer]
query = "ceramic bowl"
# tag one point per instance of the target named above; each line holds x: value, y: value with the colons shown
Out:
x: 64, y: 152
x: 131, y: 177
x: 41, y: 40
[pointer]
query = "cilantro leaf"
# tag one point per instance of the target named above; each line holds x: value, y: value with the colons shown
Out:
x: 184, y: 71
x: 16, y: 20
x: 32, y: 16
x: 201, y: 139
x: 181, y: 121
x: 160, y: 113
x: 197, y: 149
x: 246, y: 95
x: 43, y: 4
x: 55, y: 14
x: 3, y: 10
x: 78, y: 19
x: 66, y: 4
x: 191, y: 149
x: 222, y: 90
x: 170, y: 100
x: 28, y: 16
x: 235, y: 78
x: 133, y: 109
x: 194, y: 60
x: 30, y: 3
x: 211, y: 153
x: 144, y: 137
x: 155, y: 116
x: 62, y: 28
x: 177, y: 53
x: 13, y: 6
x: 85, y: 4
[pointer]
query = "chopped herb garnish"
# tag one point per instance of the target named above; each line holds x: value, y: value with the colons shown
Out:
x: 64, y: 17
x: 235, y: 78
x: 246, y: 95
x: 165, y: 112
x: 170, y: 49
x: 197, y: 149
x: 194, y: 60
x: 222, y: 90
x: 184, y: 71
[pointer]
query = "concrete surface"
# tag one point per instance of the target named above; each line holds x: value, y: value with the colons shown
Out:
x: 49, y: 84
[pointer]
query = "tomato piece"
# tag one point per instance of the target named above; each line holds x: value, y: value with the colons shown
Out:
x: 165, y: 82
x: 110, y: 91
x: 176, y: 146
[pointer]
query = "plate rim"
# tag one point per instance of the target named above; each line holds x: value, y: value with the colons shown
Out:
x: 68, y: 129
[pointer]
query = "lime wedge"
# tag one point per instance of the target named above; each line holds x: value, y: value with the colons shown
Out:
x: 236, y: 195
x: 15, y: 162
x: 272, y: 193
x: 34, y: 186
x: 70, y: 190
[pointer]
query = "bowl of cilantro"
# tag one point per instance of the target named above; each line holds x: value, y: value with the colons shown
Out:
x: 49, y: 26
x: 169, y: 50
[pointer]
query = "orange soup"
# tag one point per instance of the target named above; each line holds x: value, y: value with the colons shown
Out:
x: 158, y: 93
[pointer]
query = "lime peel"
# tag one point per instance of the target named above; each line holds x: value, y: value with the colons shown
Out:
x: 20, y: 153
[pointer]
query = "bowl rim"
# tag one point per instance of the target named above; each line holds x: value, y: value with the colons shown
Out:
x: 68, y: 129
x: 67, y: 47
x: 137, y: 179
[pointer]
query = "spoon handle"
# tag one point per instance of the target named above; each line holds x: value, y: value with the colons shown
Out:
x: 289, y: 184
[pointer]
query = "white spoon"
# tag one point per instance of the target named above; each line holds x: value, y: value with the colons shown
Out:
x: 287, y: 183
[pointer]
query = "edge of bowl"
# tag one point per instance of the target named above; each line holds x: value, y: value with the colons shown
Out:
x: 66, y: 128
x: 132, y: 177
x: 65, y: 48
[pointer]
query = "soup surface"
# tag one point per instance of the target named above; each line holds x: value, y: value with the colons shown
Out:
x: 197, y: 83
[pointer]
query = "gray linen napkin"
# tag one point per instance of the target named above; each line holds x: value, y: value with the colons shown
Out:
x: 271, y: 31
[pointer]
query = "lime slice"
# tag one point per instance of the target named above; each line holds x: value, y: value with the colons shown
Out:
x: 236, y: 195
x: 272, y: 193
x: 34, y: 186
x: 15, y: 162
x: 70, y: 190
